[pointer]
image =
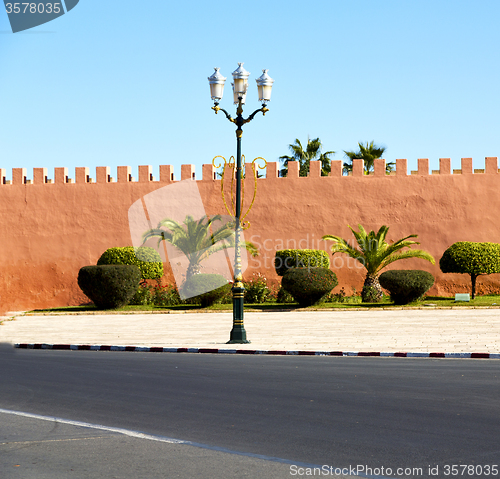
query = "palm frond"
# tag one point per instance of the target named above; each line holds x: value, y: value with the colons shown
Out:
x: 156, y: 233
x: 285, y: 159
x: 391, y: 166
x: 413, y: 253
x: 251, y: 248
x: 341, y: 245
x: 336, y: 239
x: 328, y: 153
x: 346, y: 168
x: 361, y: 237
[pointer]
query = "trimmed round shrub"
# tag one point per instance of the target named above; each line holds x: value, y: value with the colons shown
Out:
x: 471, y: 258
x: 147, y: 259
x: 309, y: 285
x: 406, y: 286
x: 300, y: 258
x: 206, y: 289
x: 109, y: 286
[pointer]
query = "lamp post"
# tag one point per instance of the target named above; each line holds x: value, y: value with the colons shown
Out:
x: 240, y: 87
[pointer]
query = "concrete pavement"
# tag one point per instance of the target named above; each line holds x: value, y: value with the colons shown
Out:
x: 380, y: 330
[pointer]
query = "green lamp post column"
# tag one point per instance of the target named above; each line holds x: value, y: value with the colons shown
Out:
x: 240, y: 86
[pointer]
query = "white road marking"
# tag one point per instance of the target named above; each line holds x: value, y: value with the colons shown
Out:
x: 170, y: 440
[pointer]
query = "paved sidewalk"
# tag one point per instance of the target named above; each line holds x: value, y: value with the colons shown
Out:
x: 418, y: 331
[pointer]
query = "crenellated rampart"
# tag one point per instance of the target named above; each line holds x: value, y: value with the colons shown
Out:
x: 53, y: 225
x: 124, y: 173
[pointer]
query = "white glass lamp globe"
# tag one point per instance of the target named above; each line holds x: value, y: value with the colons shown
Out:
x: 264, y: 87
x: 216, y: 81
x: 240, y: 78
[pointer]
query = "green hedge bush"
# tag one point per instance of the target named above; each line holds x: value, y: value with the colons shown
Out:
x: 109, y: 286
x: 406, y: 286
x: 195, y: 289
x: 309, y: 285
x: 147, y: 259
x: 300, y: 258
x: 471, y: 258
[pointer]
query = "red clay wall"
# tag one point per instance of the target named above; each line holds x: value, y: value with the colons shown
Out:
x: 51, y: 228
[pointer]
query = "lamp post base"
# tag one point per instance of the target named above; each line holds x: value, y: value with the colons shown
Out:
x: 238, y: 341
x: 238, y: 333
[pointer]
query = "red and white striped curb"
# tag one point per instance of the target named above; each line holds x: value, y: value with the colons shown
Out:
x: 154, y: 349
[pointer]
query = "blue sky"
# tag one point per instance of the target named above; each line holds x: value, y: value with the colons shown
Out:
x: 116, y: 82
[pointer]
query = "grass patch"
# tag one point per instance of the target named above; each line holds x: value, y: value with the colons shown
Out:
x: 487, y: 300
x: 348, y: 303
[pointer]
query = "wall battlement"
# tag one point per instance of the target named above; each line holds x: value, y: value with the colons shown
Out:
x: 124, y: 173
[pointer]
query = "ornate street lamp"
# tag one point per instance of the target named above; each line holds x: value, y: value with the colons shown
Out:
x: 240, y: 87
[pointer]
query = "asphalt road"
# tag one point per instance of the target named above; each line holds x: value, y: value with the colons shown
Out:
x: 335, y: 411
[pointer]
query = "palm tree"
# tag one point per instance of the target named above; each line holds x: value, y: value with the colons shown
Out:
x: 374, y: 254
x: 304, y: 157
x: 368, y: 153
x: 196, y: 239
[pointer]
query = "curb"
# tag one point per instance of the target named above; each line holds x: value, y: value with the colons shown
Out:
x: 145, y: 349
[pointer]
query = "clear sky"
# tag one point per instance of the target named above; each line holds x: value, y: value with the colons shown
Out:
x: 117, y: 82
